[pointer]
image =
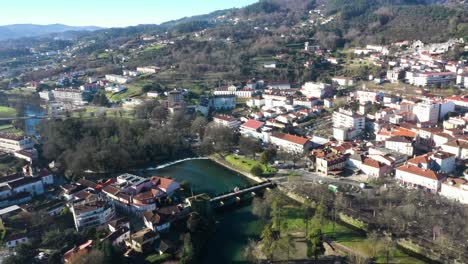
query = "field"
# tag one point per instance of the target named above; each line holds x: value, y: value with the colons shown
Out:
x: 247, y: 164
x: 6, y: 112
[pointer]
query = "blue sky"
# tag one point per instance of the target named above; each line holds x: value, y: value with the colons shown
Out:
x: 107, y: 13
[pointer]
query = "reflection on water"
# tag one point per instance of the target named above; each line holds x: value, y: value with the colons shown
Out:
x: 235, y: 226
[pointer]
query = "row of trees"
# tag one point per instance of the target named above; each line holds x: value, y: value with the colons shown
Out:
x: 427, y: 218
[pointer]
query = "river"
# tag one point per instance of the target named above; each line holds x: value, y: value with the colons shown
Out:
x: 235, y: 226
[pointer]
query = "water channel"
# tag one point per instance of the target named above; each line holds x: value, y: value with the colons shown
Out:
x: 235, y: 226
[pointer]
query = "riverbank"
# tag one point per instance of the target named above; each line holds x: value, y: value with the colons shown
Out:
x: 221, y: 161
x: 346, y: 240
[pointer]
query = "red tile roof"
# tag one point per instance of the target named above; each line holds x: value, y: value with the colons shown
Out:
x: 253, y: 124
x: 291, y: 138
x: 165, y: 182
x: 372, y: 163
x: 421, y: 172
x: 225, y: 118
x: 423, y: 159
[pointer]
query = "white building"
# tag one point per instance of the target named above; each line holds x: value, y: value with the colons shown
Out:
x: 427, y: 112
x: 115, y: 88
x: 369, y: 96
x: 443, y: 161
x: 317, y: 90
x: 257, y: 101
x: 413, y: 176
x: 400, y: 145
x: 227, y: 121
x: 12, y: 142
x: 148, y: 69
x: 118, y: 78
x: 290, y: 143
x: 76, y: 97
x: 92, y: 214
x: 347, y: 124
x: 252, y: 128
x: 458, y: 147
x: 152, y: 94
x: 46, y: 95
x: 343, y: 81
x: 430, y: 78
x: 233, y: 90
x: 131, y: 73
x: 455, y: 189
x: 394, y: 75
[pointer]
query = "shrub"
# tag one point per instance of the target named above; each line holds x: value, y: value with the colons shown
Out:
x: 256, y: 170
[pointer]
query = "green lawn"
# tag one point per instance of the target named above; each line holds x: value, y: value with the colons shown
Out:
x: 5, y: 127
x: 151, y: 48
x: 7, y: 111
x: 134, y: 90
x: 247, y: 164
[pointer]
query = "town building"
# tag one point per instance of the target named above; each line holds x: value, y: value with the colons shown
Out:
x: 347, y: 125
x: 131, y: 73
x: 252, y: 128
x: 92, y: 214
x: 400, y: 144
x: 455, y: 189
x: 458, y: 147
x: 233, y: 90
x: 343, y: 81
x: 223, y: 102
x: 369, y: 96
x: 148, y: 69
x: 227, y: 121
x: 136, y: 195
x: 12, y: 143
x: 395, y: 75
x: 73, y: 96
x: 375, y: 169
x: 142, y: 241
x: 413, y: 176
x: 430, y: 78
x: 118, y: 78
x: 290, y: 143
x: 331, y: 163
x: 317, y: 90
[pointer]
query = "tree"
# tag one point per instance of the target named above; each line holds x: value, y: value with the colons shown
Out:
x: 256, y: 170
x: 263, y: 158
x: 261, y: 208
x: 92, y: 257
x: 198, y: 126
x: 159, y: 114
x: 267, y: 241
x: 249, y: 146
x: 188, y: 253
x: 315, y: 244
x: 249, y: 251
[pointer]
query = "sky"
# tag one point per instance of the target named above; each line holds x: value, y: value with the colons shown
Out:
x: 107, y: 13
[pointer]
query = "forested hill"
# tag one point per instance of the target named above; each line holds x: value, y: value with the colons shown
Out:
x: 353, y: 21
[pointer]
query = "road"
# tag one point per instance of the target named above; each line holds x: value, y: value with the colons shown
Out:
x: 305, y: 177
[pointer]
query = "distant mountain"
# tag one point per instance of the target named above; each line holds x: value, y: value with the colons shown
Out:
x: 31, y: 30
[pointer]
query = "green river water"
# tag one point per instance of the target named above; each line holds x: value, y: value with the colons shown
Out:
x: 235, y: 226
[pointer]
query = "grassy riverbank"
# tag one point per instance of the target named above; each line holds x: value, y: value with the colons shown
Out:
x: 246, y: 164
x: 7, y: 112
